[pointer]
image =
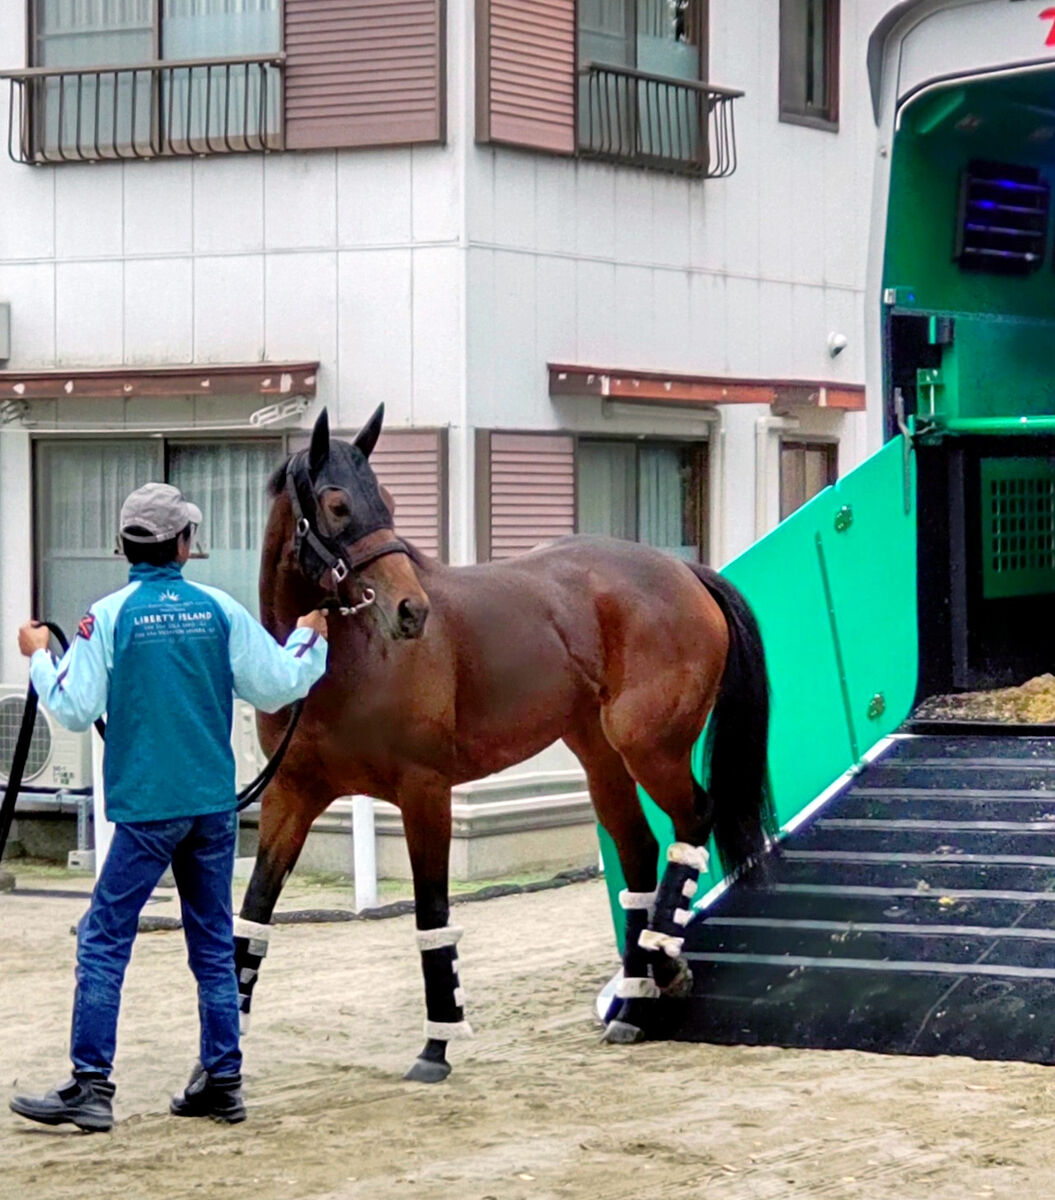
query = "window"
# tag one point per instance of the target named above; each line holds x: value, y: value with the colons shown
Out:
x: 631, y: 106
x: 809, y: 62
x: 80, y: 486
x: 806, y: 468
x: 662, y: 37
x: 157, y: 110
x: 117, y: 79
x: 644, y: 491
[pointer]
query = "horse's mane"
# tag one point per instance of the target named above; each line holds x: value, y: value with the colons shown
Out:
x: 276, y: 483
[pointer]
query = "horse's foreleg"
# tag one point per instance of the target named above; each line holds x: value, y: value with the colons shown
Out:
x: 426, y: 806
x: 285, y: 818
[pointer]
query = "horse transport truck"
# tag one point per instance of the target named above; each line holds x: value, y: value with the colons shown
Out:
x: 910, y: 904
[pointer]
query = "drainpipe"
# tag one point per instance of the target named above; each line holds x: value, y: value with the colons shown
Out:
x: 716, y: 482
x: 767, y: 468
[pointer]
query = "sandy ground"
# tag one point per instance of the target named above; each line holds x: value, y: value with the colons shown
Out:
x: 536, y: 1106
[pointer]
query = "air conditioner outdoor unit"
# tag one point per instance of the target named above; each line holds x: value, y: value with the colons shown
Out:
x: 57, y: 758
x: 249, y: 759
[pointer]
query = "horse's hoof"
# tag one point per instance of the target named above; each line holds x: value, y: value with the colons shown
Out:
x: 425, y: 1071
x: 621, y: 1033
x: 680, y: 985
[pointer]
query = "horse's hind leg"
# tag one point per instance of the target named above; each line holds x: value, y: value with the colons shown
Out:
x: 667, y: 778
x: 286, y: 815
x: 425, y: 800
x: 614, y: 796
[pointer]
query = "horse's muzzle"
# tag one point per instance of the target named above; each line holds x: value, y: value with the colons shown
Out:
x: 411, y: 616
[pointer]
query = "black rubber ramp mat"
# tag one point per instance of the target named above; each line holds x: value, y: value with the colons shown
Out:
x: 914, y: 914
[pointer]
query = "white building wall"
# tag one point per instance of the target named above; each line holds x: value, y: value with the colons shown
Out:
x: 610, y: 266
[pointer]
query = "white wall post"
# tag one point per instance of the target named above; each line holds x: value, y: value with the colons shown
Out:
x: 365, y: 849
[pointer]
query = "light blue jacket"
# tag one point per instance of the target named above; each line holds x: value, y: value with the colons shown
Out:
x: 164, y: 657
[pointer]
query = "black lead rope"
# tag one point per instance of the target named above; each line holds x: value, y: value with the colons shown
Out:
x: 253, y: 791
x: 22, y: 745
x: 248, y: 795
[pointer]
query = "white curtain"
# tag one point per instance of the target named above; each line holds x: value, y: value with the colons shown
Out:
x: 228, y: 482
x: 666, y: 42
x: 80, y: 488
x: 95, y: 110
x: 607, y: 482
x: 81, y: 485
x: 663, y: 478
x: 235, y: 98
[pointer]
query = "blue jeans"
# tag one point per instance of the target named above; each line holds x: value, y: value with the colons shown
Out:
x: 201, y: 852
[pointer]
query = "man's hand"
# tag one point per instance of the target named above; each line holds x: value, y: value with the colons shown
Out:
x: 314, y: 620
x: 33, y: 637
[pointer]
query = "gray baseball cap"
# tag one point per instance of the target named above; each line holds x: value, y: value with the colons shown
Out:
x: 161, y: 510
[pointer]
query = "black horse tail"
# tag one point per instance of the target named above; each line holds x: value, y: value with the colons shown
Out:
x: 736, y: 749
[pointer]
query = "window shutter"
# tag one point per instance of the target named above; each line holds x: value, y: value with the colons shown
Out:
x: 362, y: 73
x: 531, y: 491
x: 411, y: 464
x: 526, y: 73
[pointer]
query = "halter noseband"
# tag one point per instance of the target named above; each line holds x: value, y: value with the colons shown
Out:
x: 330, y: 553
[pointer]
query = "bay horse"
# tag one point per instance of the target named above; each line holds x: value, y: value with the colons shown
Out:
x: 448, y: 674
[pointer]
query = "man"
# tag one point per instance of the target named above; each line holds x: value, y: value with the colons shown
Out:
x: 163, y: 658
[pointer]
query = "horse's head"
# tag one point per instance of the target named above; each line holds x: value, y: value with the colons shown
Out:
x: 342, y: 528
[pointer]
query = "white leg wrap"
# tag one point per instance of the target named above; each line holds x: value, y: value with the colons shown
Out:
x: 436, y: 939
x: 259, y: 935
x: 682, y: 916
x: 651, y: 939
x: 636, y: 900
x: 447, y: 1031
x: 637, y: 989
x: 689, y: 887
x: 688, y: 856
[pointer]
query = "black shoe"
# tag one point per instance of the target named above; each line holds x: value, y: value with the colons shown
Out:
x: 86, y: 1102
x: 206, y: 1095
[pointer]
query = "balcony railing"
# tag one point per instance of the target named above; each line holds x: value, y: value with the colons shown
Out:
x: 656, y: 121
x: 153, y: 110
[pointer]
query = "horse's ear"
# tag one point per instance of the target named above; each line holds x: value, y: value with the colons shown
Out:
x: 366, y: 438
x: 320, y: 442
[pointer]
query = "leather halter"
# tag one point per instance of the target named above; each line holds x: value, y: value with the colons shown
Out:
x: 306, y: 535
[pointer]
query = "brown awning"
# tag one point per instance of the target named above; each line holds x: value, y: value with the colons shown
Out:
x: 691, y: 391
x: 274, y: 380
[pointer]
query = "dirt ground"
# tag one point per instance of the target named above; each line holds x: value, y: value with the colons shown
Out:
x: 536, y: 1107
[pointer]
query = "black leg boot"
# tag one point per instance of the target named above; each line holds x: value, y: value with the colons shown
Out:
x: 250, y: 949
x: 628, y: 1017
x: 665, y: 935
x: 444, y: 1003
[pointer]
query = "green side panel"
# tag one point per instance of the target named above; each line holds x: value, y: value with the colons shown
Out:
x: 834, y: 591
x: 873, y: 570
x: 1018, y: 527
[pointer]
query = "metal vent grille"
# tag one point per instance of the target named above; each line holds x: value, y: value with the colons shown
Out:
x: 1018, y: 527
x: 39, y: 747
x: 1003, y: 227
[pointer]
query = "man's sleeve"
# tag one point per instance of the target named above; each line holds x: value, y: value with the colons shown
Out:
x: 75, y: 690
x: 266, y: 674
